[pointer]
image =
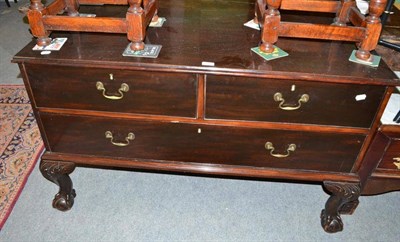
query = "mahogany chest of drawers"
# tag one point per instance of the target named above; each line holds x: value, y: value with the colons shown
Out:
x: 307, y: 117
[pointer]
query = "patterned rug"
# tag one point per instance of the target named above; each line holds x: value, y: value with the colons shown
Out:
x: 20, y: 145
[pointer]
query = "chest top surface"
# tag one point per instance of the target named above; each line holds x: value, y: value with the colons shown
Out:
x: 212, y: 31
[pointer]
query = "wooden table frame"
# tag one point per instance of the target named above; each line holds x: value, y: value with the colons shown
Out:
x: 44, y: 19
x: 349, y: 24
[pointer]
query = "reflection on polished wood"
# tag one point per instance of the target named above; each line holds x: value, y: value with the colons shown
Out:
x: 43, y: 19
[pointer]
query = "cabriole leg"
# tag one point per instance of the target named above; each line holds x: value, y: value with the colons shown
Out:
x: 344, y: 200
x: 58, y: 173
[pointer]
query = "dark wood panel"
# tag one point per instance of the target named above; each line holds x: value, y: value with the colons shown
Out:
x: 380, y: 155
x: 201, y: 168
x: 201, y: 143
x: 385, y: 149
x: 223, y: 122
x: 378, y: 185
x: 149, y: 92
x: 244, y: 98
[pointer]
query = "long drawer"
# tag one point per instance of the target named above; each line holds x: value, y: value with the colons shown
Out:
x: 256, y: 99
x: 206, y: 144
x: 102, y: 89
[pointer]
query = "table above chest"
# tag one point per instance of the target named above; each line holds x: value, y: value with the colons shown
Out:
x: 213, y: 31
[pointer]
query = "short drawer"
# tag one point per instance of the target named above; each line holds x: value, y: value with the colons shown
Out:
x: 207, y: 144
x: 391, y: 154
x: 143, y: 92
x: 257, y: 99
x: 391, y: 158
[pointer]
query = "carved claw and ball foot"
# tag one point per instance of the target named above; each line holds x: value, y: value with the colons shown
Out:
x: 331, y: 223
x: 64, y: 201
x: 344, y: 200
x: 58, y: 173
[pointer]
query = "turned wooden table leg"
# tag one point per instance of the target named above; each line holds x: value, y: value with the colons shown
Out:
x: 57, y: 172
x: 72, y: 7
x: 135, y: 18
x: 271, y: 21
x: 342, y: 15
x: 259, y: 11
x: 344, y: 200
x: 155, y: 16
x: 374, y: 27
x: 35, y: 18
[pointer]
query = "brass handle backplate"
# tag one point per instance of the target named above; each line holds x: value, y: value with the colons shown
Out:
x: 269, y: 146
x: 397, y: 164
x: 278, y: 97
x: 124, y: 88
x: 130, y: 136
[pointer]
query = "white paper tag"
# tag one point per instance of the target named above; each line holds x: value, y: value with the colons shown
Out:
x: 45, y: 52
x: 252, y: 24
x: 207, y: 63
x: 159, y: 23
x: 361, y: 97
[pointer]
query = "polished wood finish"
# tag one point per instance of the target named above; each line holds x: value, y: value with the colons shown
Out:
x: 44, y: 19
x: 201, y: 143
x: 181, y: 116
x: 365, y: 31
x: 204, y: 169
x: 149, y: 93
x: 322, y: 6
x: 227, y: 98
x: 378, y: 184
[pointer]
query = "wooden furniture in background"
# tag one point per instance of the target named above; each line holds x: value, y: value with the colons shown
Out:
x: 365, y: 31
x: 307, y: 118
x: 44, y: 19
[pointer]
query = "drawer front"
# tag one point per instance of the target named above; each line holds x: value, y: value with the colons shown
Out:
x: 391, y: 157
x: 208, y: 144
x: 155, y: 93
x: 242, y: 98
